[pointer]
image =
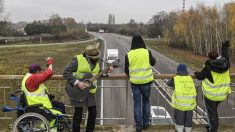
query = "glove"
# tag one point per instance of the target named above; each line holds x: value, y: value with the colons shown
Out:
x: 51, y: 96
x: 50, y: 61
x: 225, y: 43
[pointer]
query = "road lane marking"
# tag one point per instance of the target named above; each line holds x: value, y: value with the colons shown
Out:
x: 102, y: 83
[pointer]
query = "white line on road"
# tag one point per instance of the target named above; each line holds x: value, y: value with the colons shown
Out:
x: 102, y: 89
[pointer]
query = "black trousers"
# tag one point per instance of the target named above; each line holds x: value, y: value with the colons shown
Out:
x: 213, y: 120
x: 184, y: 118
x: 77, y: 119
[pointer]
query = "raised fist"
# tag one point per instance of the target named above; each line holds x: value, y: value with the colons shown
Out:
x: 50, y: 60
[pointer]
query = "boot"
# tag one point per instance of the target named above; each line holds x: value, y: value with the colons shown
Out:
x: 179, y: 128
x: 188, y: 129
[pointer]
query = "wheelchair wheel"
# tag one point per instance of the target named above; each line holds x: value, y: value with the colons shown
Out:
x: 31, y: 122
x: 63, y: 124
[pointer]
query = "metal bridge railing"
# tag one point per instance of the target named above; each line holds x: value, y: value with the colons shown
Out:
x: 56, y: 85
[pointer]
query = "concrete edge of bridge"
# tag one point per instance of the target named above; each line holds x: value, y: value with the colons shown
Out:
x: 160, y: 128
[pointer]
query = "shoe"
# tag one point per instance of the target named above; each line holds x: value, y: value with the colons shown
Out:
x: 146, y: 126
x: 207, y: 128
x: 138, y: 130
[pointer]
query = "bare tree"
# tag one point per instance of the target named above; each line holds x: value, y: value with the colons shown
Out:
x: 70, y: 23
x: 55, y: 19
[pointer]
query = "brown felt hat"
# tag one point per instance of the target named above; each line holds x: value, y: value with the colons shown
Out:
x: 92, y: 51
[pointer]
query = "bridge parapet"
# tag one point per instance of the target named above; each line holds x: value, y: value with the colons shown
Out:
x: 10, y: 83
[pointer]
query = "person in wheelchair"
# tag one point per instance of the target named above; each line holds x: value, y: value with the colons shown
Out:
x: 35, y: 92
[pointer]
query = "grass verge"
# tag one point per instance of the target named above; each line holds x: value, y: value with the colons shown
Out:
x: 15, y: 61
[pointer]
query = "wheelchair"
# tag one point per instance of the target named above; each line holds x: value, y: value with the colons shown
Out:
x: 29, y: 119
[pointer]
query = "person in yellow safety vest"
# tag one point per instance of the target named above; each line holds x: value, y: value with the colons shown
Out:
x: 183, y: 99
x: 37, y: 93
x: 138, y: 62
x: 215, y: 83
x: 88, y: 62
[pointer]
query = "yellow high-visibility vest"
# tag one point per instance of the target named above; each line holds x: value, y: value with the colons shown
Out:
x: 218, y: 90
x: 37, y: 97
x: 83, y: 68
x: 184, y: 95
x: 140, y: 71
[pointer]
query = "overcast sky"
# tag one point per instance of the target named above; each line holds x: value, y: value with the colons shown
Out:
x: 95, y: 10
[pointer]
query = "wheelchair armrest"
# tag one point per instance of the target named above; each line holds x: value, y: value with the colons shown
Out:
x: 33, y: 106
x: 14, y: 96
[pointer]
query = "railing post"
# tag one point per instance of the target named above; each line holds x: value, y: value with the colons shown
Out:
x: 59, y: 85
x: 4, y: 100
x: 127, y: 103
x: 234, y: 101
x: 165, y: 94
x: 196, y: 104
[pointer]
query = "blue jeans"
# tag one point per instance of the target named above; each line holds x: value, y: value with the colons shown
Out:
x: 141, y: 117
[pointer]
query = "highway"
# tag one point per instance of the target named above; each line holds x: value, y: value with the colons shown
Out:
x: 111, y: 101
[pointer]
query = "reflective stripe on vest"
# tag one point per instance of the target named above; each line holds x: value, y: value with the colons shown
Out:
x: 184, y: 95
x: 218, y: 90
x: 141, y: 77
x: 140, y: 71
x: 83, y: 68
x: 37, y: 97
x: 216, y: 86
x: 183, y: 105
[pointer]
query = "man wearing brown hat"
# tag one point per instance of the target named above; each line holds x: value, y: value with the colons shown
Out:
x: 80, y: 65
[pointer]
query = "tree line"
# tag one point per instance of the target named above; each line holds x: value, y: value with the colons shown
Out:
x: 200, y: 29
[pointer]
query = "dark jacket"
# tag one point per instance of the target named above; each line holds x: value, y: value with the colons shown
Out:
x: 68, y: 75
x: 137, y: 42
x: 219, y: 65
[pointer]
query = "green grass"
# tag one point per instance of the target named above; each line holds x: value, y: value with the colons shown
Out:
x: 193, y: 61
x: 15, y: 61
